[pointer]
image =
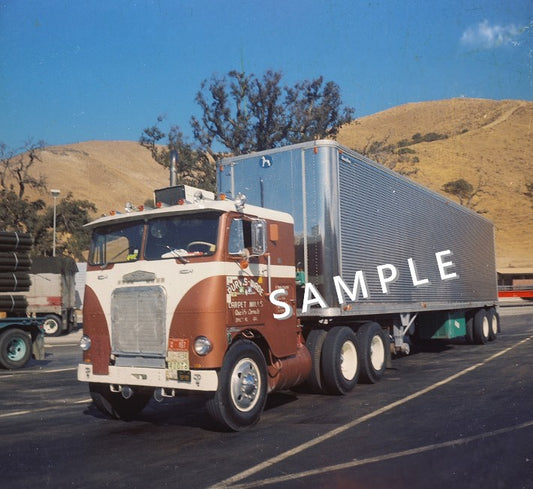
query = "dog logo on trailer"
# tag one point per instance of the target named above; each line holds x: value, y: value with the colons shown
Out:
x: 265, y: 162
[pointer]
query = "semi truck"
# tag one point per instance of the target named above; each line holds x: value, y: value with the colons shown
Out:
x: 311, y: 265
x: 52, y: 293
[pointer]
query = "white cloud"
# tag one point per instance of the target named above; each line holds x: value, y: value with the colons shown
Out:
x: 487, y: 36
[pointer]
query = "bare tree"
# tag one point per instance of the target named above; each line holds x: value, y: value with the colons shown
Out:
x: 15, y: 166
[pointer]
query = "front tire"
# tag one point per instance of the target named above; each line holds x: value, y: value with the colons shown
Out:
x: 340, y: 360
x: 374, y: 347
x: 15, y: 348
x: 113, y: 405
x: 242, y: 390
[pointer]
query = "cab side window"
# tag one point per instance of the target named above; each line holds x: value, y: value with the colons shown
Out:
x: 240, y: 236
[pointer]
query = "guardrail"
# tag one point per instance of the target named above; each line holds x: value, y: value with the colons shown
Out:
x: 523, y: 292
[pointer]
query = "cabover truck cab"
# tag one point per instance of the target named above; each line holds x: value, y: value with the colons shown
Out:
x: 177, y: 300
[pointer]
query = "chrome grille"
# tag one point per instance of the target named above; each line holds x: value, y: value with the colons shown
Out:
x: 138, y: 321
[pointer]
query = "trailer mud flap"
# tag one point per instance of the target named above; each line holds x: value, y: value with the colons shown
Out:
x: 37, y: 347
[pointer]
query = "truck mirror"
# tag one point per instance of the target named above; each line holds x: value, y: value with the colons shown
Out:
x: 259, y: 242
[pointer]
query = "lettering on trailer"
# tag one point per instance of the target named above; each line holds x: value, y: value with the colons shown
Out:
x: 387, y: 273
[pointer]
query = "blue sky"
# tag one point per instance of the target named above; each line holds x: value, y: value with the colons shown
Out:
x: 105, y: 69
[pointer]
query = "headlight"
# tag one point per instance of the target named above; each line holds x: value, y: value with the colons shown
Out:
x: 202, y: 346
x: 85, y: 342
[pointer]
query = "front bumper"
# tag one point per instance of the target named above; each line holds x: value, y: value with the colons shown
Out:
x: 200, y: 380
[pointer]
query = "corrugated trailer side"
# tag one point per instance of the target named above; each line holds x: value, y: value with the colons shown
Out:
x: 354, y: 215
x: 386, y: 218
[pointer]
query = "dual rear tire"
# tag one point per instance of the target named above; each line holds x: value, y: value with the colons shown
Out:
x: 340, y: 357
x: 485, y: 326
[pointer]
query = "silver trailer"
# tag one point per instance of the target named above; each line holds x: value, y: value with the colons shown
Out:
x: 396, y: 246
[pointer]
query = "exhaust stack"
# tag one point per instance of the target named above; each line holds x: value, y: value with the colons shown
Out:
x: 173, y: 167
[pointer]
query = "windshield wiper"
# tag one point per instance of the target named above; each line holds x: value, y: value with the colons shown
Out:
x: 176, y: 253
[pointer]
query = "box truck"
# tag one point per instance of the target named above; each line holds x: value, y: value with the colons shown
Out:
x: 52, y: 293
x: 312, y: 265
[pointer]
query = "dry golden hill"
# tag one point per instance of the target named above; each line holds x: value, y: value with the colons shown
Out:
x: 108, y: 173
x: 484, y: 138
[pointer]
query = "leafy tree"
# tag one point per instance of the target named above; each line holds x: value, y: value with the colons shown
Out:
x: 394, y: 156
x: 315, y: 110
x: 467, y: 194
x: 460, y: 188
x: 529, y: 190
x: 71, y: 238
x: 194, y: 166
x: 19, y: 214
x: 245, y: 113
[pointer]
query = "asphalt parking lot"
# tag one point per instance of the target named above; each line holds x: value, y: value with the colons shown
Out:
x: 453, y: 415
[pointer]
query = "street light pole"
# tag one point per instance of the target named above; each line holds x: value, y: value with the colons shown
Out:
x: 55, y: 194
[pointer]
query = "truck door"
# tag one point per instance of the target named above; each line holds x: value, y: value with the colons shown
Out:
x: 250, y: 278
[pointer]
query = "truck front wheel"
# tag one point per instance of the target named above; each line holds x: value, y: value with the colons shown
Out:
x: 52, y: 325
x: 340, y: 360
x: 15, y: 348
x: 374, y: 345
x: 242, y: 390
x: 112, y: 404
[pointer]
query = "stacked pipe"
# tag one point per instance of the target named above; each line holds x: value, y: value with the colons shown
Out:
x: 14, y: 272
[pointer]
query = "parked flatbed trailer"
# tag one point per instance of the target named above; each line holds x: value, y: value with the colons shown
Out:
x: 20, y: 339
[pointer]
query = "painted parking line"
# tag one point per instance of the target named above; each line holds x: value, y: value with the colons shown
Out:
x: 20, y: 373
x: 232, y: 481
x: 381, y: 458
x: 44, y: 409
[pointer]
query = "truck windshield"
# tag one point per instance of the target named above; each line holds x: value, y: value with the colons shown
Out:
x: 186, y: 235
x: 115, y: 244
